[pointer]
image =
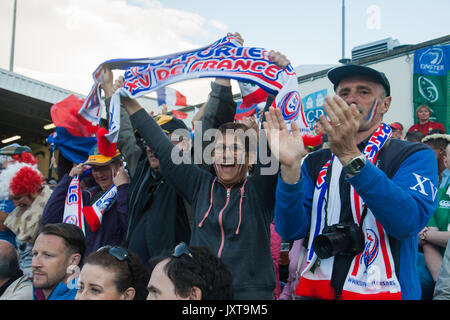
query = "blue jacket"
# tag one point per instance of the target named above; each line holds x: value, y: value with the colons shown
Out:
x: 61, y: 292
x: 402, y: 196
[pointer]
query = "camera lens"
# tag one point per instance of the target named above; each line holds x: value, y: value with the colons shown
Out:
x: 330, y: 244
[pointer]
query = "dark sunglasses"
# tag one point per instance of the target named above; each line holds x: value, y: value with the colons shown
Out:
x: 117, y: 252
x: 120, y: 254
x: 181, y: 250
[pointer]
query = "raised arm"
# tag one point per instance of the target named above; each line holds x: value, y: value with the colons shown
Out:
x: 184, y: 176
x: 126, y: 143
x: 290, y: 214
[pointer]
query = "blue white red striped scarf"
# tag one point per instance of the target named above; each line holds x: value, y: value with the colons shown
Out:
x: 224, y: 58
x: 73, y: 206
x: 75, y: 213
x: 372, y: 272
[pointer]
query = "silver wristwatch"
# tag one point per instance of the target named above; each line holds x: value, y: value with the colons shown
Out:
x: 355, y: 165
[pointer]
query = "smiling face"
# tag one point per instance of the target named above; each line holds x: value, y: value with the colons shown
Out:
x: 23, y: 201
x: 103, y: 176
x: 368, y: 96
x: 230, y: 159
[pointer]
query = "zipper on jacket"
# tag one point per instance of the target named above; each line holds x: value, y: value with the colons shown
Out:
x: 222, y: 232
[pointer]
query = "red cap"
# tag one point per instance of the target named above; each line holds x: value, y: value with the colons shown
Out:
x: 396, y: 126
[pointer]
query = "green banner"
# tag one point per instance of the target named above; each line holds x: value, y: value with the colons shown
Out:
x: 431, y: 82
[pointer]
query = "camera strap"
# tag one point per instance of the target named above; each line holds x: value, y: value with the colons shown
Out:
x: 328, y: 182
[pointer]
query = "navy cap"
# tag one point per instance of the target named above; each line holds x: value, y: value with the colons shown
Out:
x: 348, y: 70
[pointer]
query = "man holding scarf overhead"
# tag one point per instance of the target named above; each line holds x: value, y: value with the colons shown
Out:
x: 362, y: 202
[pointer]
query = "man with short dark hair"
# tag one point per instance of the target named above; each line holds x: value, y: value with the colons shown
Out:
x: 57, y: 252
x: 190, y: 273
x: 362, y: 202
x: 414, y: 136
x: 14, y: 285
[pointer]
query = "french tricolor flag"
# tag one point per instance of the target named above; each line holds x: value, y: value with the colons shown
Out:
x: 170, y: 97
x: 74, y: 135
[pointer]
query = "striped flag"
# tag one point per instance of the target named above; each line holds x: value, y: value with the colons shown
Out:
x: 170, y: 97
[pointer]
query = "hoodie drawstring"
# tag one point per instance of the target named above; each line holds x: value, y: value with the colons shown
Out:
x: 240, y: 207
x: 242, y: 190
x: 210, y: 204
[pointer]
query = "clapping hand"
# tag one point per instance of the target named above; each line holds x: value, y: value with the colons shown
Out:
x: 286, y: 146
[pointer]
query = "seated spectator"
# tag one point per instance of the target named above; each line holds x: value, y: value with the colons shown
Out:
x: 14, y: 285
x: 57, y: 251
x: 6, y: 205
x: 112, y: 273
x: 438, y: 142
x: 190, y: 273
x: 434, y: 238
x: 414, y: 136
x: 440, y: 131
x: 397, y: 130
x: 424, y: 124
x: 442, y: 288
x: 106, y: 171
x: 22, y: 182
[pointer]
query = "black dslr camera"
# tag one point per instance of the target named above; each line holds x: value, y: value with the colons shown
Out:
x: 343, y: 239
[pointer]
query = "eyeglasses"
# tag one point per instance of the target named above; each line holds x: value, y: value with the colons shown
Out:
x: 181, y: 250
x: 232, y: 148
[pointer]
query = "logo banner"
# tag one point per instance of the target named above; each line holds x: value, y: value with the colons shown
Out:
x: 431, y: 82
x: 313, y: 106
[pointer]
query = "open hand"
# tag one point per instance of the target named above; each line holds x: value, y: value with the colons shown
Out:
x: 287, y: 147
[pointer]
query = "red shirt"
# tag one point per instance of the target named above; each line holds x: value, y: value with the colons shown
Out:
x: 427, y: 127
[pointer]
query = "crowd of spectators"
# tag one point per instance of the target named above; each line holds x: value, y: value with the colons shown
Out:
x: 224, y: 228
